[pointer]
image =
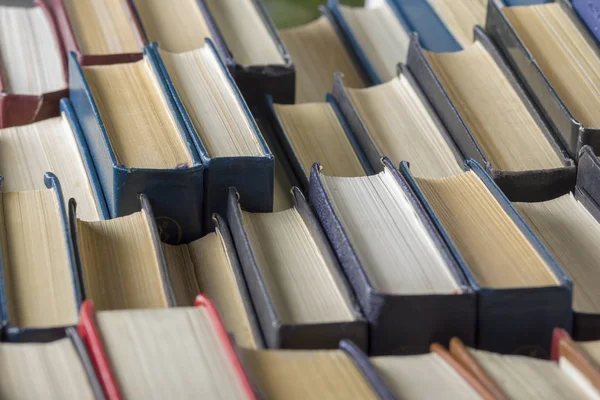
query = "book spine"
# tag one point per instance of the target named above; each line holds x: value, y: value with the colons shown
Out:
x: 418, y: 16
x: 204, y: 302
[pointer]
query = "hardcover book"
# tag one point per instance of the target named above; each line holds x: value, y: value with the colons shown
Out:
x: 39, y: 280
x: 517, y: 281
x: 150, y: 153
x: 33, y: 73
x: 300, y: 294
x: 397, y: 263
x: 492, y: 120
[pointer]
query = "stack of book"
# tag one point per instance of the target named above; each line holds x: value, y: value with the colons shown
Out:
x: 400, y: 200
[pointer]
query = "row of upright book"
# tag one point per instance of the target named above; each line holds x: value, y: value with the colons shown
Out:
x: 347, y: 193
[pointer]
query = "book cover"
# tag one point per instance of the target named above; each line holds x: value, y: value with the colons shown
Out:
x: 565, y: 349
x: 70, y: 41
x: 52, y: 183
x: 428, y: 318
x: 589, y: 12
x: 529, y: 185
x: 18, y: 109
x: 176, y: 194
x: 278, y: 334
x: 252, y: 176
x: 536, y: 310
x: 572, y: 134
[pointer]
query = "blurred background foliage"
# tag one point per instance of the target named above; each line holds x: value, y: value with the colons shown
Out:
x: 287, y: 13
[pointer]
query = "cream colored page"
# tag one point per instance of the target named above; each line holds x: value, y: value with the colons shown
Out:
x: 388, y: 237
x: 380, y: 35
x: 27, y: 152
x: 523, y: 377
x: 30, y: 56
x: 37, y: 271
x: 216, y: 279
x: 176, y: 27
x: 245, y: 33
x: 572, y: 235
x: 103, y: 27
x: 425, y: 376
x: 493, y: 111
x: 564, y: 56
x: 302, y: 286
x: 592, y: 349
x: 316, y: 135
x: 306, y: 375
x: 120, y: 267
x: 210, y: 101
x: 139, y: 124
x: 318, y: 53
x: 402, y: 128
x: 51, y: 371
x: 182, y: 276
x: 460, y: 17
x: 168, y: 354
x: 495, y: 250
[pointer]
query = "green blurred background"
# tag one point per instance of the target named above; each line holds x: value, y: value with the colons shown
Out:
x: 287, y: 13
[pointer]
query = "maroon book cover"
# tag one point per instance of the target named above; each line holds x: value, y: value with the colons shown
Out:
x: 70, y: 41
x: 16, y: 109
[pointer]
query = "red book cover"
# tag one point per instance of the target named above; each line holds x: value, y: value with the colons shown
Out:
x: 16, y: 109
x: 70, y: 41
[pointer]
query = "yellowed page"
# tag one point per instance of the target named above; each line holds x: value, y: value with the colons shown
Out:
x: 460, y: 17
x: 211, y: 103
x: 177, y: 27
x: 564, y: 56
x: 29, y: 371
x: 37, y: 272
x: 380, y: 35
x: 27, y: 152
x: 136, y: 115
x: 402, y: 128
x: 30, y: 55
x: 494, y: 248
x: 572, y: 235
x: 119, y: 263
x: 493, y: 111
x: 103, y: 27
x: 318, y: 53
x: 168, y: 354
x: 316, y: 135
x: 304, y: 287
x: 303, y: 375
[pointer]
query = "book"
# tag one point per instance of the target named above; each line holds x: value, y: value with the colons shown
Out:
x: 394, y: 119
x: 515, y: 376
x: 99, y: 32
x: 587, y: 15
x: 540, y: 38
x: 31, y: 367
x: 55, y: 144
x: 304, y: 374
x: 580, y: 359
x: 301, y: 297
x: 33, y: 74
x: 121, y: 261
x: 210, y: 266
x: 395, y: 261
x: 517, y: 280
x: 492, y: 120
x: 316, y: 132
x: 225, y: 134
x: 40, y: 285
x: 242, y: 31
x: 161, y: 356
x: 150, y: 153
x: 381, y: 39
x: 318, y: 52
x: 461, y: 17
